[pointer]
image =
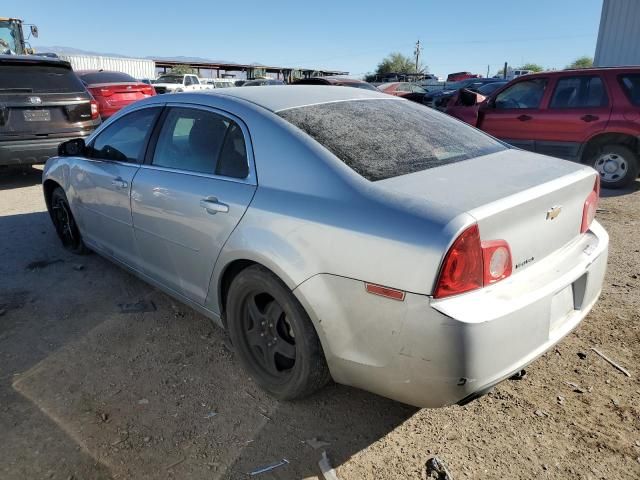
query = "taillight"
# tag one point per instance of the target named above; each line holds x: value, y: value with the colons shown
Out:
x: 497, y: 261
x: 471, y: 264
x: 95, y: 111
x: 105, y: 92
x: 590, y: 206
x: 462, y: 267
x: 148, y: 90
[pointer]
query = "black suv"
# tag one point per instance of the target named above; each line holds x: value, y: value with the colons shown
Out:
x: 42, y: 103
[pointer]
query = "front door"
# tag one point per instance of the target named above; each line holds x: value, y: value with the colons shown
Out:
x: 103, y: 184
x: 190, y: 195
x: 514, y: 114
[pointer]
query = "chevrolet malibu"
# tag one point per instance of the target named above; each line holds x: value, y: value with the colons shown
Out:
x: 339, y: 233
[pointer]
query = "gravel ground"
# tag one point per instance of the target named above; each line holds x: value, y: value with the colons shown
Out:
x: 89, y: 392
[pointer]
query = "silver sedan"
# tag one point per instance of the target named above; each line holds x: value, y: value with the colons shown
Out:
x: 340, y: 233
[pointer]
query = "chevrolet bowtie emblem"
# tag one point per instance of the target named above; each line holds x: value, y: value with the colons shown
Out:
x: 553, y: 212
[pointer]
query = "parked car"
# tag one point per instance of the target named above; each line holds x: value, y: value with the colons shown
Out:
x: 439, y: 99
x: 42, y: 103
x: 591, y: 116
x: 175, y: 83
x: 511, y: 74
x: 459, y: 76
x: 239, y: 83
x: 259, y: 82
x: 332, y: 238
x: 218, y: 82
x: 335, y: 81
x: 407, y: 90
x: 113, y: 90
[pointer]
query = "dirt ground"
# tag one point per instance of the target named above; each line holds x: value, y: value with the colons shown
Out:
x: 88, y: 392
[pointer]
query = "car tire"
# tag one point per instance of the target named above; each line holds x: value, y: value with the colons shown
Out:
x: 65, y: 223
x: 273, y: 336
x: 617, y: 165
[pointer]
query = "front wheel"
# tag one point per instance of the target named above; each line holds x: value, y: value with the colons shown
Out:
x: 273, y: 335
x: 616, y: 164
x: 65, y: 224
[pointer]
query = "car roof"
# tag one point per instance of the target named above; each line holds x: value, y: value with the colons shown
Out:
x: 33, y: 59
x: 283, y: 97
x: 592, y: 70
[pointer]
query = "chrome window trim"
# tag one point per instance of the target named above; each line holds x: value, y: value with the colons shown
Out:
x: 251, y: 179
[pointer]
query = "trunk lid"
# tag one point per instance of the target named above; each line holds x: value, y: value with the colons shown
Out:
x: 22, y: 115
x: 533, y: 202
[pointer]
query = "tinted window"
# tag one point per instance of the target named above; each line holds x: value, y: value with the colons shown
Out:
x: 170, y: 79
x: 526, y: 94
x: 201, y: 141
x: 386, y: 138
x: 631, y: 86
x: 38, y: 79
x: 106, y: 77
x: 488, y: 88
x: 124, y: 140
x: 579, y: 92
x: 403, y: 87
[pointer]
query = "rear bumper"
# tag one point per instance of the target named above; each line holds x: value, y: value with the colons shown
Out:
x: 432, y: 353
x: 29, y: 152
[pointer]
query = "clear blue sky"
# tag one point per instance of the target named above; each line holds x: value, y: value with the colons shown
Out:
x: 344, y: 35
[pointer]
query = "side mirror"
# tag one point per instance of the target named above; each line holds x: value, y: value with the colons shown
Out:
x: 72, y: 148
x: 34, y: 30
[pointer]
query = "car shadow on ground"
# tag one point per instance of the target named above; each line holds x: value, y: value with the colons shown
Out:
x: 634, y: 187
x: 11, y: 177
x: 137, y: 393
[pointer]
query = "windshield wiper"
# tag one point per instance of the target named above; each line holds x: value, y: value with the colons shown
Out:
x: 17, y: 90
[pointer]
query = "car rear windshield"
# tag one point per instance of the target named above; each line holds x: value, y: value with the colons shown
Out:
x: 631, y: 86
x: 38, y: 79
x: 106, y: 77
x: 382, y: 138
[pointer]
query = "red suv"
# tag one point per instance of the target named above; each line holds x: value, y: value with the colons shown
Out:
x: 590, y: 116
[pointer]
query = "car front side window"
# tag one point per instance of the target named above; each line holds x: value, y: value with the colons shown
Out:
x: 124, y: 140
x: 201, y: 141
x: 523, y: 95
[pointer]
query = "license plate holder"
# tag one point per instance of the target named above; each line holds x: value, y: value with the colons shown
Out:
x: 562, y: 305
x: 37, y: 115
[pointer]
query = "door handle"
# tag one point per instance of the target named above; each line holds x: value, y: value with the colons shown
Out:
x: 524, y: 118
x: 119, y: 183
x: 213, y: 206
x: 589, y: 118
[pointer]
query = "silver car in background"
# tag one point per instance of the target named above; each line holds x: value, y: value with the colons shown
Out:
x: 340, y: 233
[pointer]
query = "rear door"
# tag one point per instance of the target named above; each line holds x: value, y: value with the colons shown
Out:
x: 103, y: 183
x: 38, y: 100
x: 578, y: 109
x: 514, y: 115
x: 189, y: 196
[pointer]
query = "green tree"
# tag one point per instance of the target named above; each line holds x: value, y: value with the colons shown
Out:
x: 183, y: 70
x: 582, y: 62
x: 534, y: 67
x: 398, y: 63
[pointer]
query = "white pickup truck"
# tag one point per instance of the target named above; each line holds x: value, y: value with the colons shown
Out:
x: 173, y: 83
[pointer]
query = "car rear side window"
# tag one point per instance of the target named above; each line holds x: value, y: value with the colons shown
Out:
x: 579, y: 92
x: 106, y: 77
x: 124, y: 140
x: 201, y: 141
x: 631, y: 85
x: 522, y: 95
x: 30, y: 78
x: 382, y: 138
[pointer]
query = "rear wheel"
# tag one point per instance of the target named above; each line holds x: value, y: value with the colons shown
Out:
x: 273, y: 335
x: 616, y: 164
x: 65, y: 224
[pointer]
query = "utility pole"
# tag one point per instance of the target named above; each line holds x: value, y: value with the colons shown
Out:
x: 416, y: 52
